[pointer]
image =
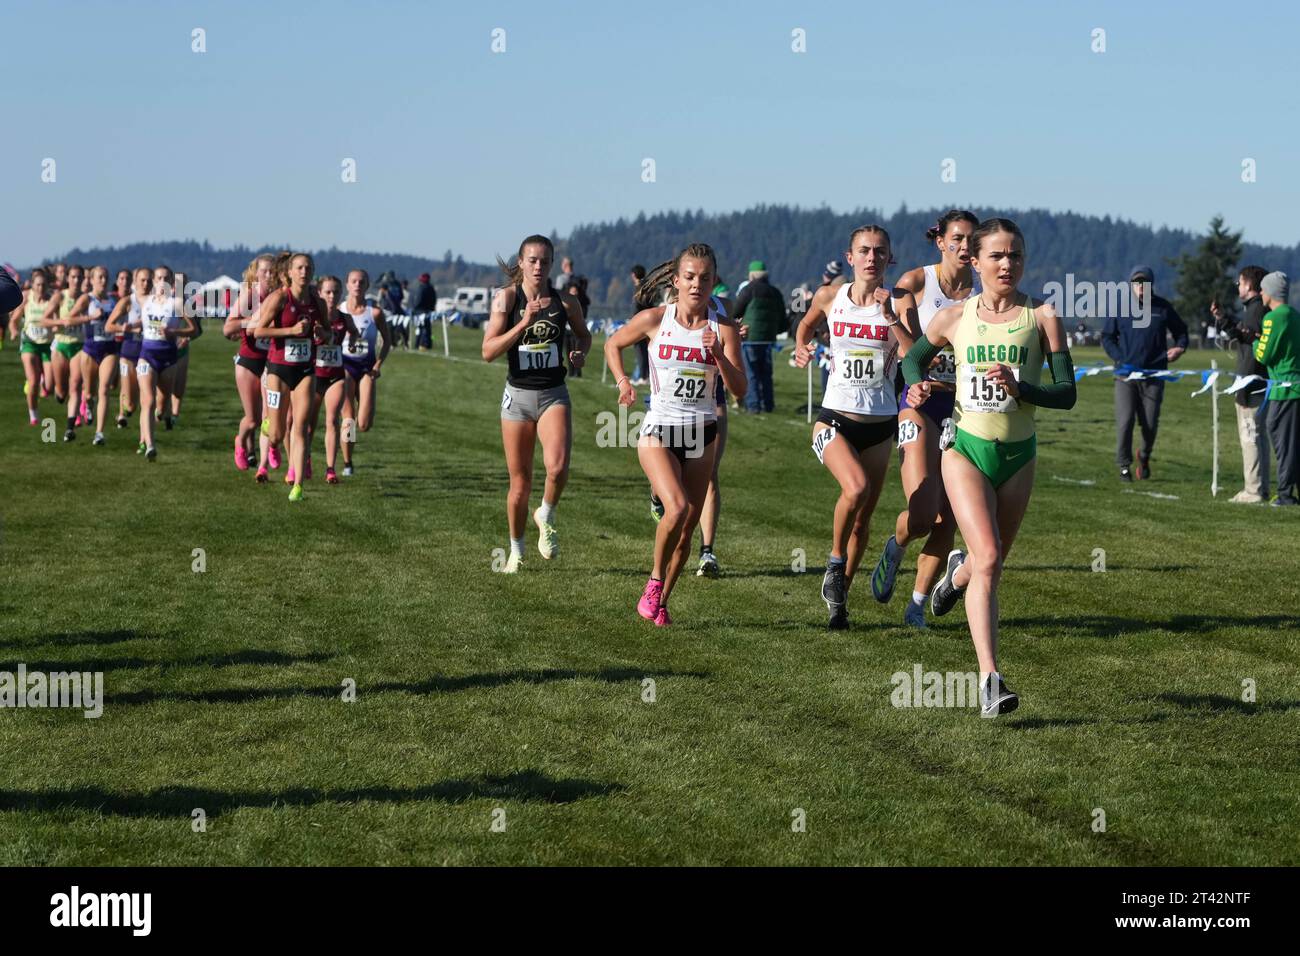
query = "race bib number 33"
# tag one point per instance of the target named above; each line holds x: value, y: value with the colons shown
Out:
x: 944, y: 368
x: 978, y: 394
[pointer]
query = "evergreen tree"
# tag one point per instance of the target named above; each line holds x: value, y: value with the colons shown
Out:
x: 1208, y: 275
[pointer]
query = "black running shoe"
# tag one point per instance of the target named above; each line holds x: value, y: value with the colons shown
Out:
x: 834, y: 590
x: 121, y: 421
x: 69, y: 435
x: 1125, y: 473
x: 839, y: 618
x: 945, y: 594
x: 168, y: 422
x: 996, y: 697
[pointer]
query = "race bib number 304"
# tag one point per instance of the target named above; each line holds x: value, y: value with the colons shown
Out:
x: 536, y: 356
x: 977, y: 394
x: 861, y: 368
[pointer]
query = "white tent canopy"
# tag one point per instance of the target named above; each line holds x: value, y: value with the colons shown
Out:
x: 221, y: 283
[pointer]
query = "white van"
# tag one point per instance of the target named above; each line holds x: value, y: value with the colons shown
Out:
x: 474, y: 303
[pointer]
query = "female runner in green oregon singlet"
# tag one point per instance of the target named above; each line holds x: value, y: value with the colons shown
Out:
x: 999, y: 338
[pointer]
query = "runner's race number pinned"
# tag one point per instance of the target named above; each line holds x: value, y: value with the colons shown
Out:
x: 977, y: 394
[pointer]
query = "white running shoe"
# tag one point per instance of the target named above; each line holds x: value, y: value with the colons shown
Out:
x: 513, y: 564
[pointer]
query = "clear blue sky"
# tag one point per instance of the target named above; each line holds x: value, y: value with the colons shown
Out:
x: 457, y: 147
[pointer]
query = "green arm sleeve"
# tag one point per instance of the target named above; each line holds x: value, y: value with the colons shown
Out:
x: 917, y: 360
x: 1061, y: 393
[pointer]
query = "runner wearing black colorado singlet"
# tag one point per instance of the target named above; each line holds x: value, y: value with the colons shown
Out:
x: 527, y: 325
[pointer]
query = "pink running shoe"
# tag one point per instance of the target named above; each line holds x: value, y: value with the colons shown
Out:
x: 662, y: 619
x: 648, y: 606
x: 241, y: 458
x: 262, y: 477
x: 273, y: 458
x: 289, y: 477
x: 84, y: 412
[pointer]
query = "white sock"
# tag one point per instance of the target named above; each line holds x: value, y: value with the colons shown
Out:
x: 918, y: 598
x: 517, y: 546
x: 546, y: 512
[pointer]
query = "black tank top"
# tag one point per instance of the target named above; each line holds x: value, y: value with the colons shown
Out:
x: 537, y: 360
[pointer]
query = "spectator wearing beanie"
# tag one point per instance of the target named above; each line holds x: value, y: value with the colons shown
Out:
x: 1278, y: 350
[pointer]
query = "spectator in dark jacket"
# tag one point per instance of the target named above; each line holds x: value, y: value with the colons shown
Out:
x: 1250, y: 401
x: 762, y: 307
x: 424, y: 302
x: 1136, y: 341
x: 574, y: 287
x: 642, y: 348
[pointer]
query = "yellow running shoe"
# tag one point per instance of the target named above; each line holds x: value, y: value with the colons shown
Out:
x: 295, y: 493
x: 548, y: 543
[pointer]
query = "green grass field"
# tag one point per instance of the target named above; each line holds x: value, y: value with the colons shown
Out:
x: 478, y: 693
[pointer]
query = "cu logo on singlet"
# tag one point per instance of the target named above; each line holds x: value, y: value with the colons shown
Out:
x: 543, y: 330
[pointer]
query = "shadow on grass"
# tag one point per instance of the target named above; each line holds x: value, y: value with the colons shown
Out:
x: 813, y: 572
x: 80, y: 637
x: 434, y: 685
x: 1038, y: 723
x: 522, y: 786
x: 274, y: 658
x: 1085, y: 568
x: 1106, y: 625
x: 1221, y: 703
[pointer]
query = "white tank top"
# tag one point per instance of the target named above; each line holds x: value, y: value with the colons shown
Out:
x: 682, y: 373
x: 157, y: 316
x: 929, y: 302
x: 133, y: 320
x: 862, y: 359
x: 364, y: 345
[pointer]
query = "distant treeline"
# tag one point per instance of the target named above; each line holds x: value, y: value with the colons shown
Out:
x: 795, y: 244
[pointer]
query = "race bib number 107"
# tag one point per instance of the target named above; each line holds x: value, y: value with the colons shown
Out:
x: 538, y: 356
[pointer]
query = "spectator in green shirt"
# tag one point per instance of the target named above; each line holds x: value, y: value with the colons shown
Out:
x: 1278, y: 350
